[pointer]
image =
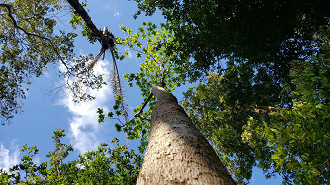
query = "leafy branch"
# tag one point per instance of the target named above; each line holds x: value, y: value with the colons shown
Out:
x: 9, y: 7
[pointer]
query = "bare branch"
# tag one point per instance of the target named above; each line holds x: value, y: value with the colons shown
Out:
x: 144, y: 104
x: 107, y: 41
x: 160, y: 84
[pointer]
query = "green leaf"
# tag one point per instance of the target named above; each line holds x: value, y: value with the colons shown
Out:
x: 110, y: 114
x: 118, y: 127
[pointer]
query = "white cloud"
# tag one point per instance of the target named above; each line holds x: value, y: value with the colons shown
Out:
x: 36, y: 159
x: 130, y: 55
x: 117, y: 13
x: 9, y: 157
x: 83, y: 126
x: 107, y: 6
x: 111, y: 5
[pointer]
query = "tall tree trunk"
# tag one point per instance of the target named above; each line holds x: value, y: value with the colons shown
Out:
x: 177, y: 153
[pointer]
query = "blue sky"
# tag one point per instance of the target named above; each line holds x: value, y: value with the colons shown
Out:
x: 48, y: 107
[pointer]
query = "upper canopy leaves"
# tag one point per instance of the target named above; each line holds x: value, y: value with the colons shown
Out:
x: 260, y: 31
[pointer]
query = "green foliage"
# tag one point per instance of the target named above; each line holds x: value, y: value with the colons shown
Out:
x: 101, y: 116
x: 299, y: 136
x: 220, y: 117
x: 103, y: 166
x: 153, y: 44
x: 29, y: 41
x: 262, y: 32
x: 250, y: 123
x: 106, y: 166
x: 80, y: 80
x: 266, y: 105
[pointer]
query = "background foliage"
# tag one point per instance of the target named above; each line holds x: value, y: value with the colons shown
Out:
x: 29, y: 41
x: 104, y: 166
x: 289, y: 139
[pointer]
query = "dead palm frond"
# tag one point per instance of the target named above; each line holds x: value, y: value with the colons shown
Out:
x: 115, y: 79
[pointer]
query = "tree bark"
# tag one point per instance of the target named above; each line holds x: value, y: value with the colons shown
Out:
x: 177, y: 153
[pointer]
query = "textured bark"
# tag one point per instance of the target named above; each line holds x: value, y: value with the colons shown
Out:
x: 177, y: 153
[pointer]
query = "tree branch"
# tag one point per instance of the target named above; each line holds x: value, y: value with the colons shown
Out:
x: 84, y: 15
x: 264, y: 110
x: 9, y: 7
x: 144, y: 104
x: 160, y: 84
x: 105, y: 40
x: 10, y: 14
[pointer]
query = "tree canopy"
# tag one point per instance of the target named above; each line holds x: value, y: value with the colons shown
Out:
x: 266, y: 32
x: 290, y: 140
x: 29, y: 41
x: 261, y: 55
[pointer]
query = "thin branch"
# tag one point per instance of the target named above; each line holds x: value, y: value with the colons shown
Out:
x: 144, y: 104
x: 160, y: 84
x: 122, y: 124
x: 167, y: 71
x: 60, y: 57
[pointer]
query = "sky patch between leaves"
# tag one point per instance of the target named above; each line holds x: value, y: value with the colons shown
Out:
x: 84, y: 130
